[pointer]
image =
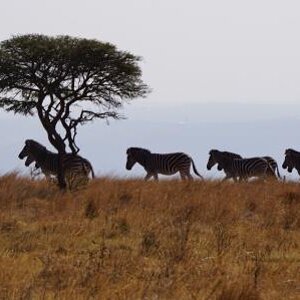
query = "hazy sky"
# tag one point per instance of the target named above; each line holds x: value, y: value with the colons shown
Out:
x: 196, y: 53
x: 193, y: 50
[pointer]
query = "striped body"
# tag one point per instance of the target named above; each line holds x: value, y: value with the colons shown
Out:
x: 72, y: 165
x: 242, y: 168
x: 166, y: 164
x: 70, y: 162
x: 291, y: 160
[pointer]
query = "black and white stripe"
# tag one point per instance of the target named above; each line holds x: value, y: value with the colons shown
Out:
x: 72, y: 165
x: 166, y: 164
x: 213, y: 161
x: 242, y: 168
x: 291, y: 160
x: 271, y: 161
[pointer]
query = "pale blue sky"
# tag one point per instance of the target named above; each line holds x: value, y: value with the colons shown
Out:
x: 244, y: 54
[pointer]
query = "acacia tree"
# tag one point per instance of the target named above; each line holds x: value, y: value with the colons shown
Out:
x: 67, y: 82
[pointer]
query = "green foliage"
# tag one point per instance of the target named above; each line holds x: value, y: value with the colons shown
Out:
x: 32, y: 62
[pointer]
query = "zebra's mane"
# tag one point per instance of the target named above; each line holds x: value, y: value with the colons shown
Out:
x: 231, y: 154
x: 225, y: 153
x: 37, y: 145
x: 212, y: 151
x: 292, y: 152
x: 137, y: 149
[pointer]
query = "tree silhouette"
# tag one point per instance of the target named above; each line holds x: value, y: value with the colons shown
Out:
x: 67, y: 82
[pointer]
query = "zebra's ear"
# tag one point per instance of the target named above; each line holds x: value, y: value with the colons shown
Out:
x: 287, y: 151
x: 212, y: 151
x: 28, y: 142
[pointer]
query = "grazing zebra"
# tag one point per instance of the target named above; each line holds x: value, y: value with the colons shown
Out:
x: 291, y: 160
x: 243, y: 168
x: 167, y: 164
x: 74, y: 166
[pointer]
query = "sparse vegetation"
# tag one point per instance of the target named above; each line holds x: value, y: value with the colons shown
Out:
x: 129, y: 239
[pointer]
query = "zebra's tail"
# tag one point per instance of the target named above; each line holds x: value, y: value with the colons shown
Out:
x: 88, y: 168
x: 278, y: 174
x: 270, y: 167
x: 195, y: 170
x: 92, y: 171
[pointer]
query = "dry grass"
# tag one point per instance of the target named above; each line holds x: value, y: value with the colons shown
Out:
x: 123, y: 239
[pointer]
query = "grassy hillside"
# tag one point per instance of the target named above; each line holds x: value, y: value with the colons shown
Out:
x: 123, y: 239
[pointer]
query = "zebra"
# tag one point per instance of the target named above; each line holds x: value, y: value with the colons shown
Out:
x: 243, y: 168
x: 271, y: 161
x: 291, y: 160
x: 155, y: 163
x: 74, y: 166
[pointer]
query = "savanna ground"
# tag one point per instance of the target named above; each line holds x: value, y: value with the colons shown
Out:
x: 129, y: 239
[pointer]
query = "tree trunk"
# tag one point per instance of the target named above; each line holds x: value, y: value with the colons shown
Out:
x: 61, y: 174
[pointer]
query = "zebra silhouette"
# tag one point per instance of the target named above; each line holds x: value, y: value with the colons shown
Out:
x: 74, y: 166
x: 291, y: 160
x: 242, y: 168
x: 156, y: 163
x: 271, y: 161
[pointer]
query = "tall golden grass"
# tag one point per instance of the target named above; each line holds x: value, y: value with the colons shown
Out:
x: 129, y: 239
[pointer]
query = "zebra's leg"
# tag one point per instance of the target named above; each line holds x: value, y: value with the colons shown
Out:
x: 186, y: 175
x: 182, y: 175
x: 155, y: 177
x: 148, y: 176
x: 190, y: 177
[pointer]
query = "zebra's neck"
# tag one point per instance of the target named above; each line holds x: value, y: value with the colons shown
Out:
x: 296, y: 161
x: 142, y: 158
x: 226, y: 162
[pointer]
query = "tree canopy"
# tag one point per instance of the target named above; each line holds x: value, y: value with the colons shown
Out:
x: 67, y: 82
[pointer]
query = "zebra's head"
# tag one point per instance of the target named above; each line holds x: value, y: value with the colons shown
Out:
x: 130, y: 158
x: 212, y: 159
x: 29, y: 150
x: 289, y: 162
x: 135, y: 155
x: 24, y: 152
